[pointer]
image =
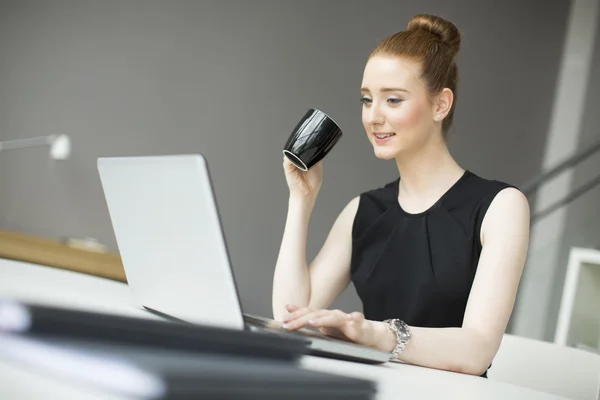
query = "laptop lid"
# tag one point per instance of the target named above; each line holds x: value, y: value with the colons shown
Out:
x: 168, y: 231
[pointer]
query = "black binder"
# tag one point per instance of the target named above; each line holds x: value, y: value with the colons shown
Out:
x: 153, y: 359
x: 51, y: 321
x: 141, y: 373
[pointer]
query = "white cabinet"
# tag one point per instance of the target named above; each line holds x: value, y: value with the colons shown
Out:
x: 579, y: 316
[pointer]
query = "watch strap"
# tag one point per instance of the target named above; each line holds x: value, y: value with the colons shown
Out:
x: 402, y: 332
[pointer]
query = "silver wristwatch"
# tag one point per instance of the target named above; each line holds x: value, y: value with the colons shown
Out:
x: 402, y: 336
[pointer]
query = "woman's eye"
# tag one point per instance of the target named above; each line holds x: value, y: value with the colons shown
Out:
x: 365, y: 100
x: 395, y: 101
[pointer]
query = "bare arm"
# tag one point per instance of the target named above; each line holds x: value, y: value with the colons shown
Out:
x: 471, y: 348
x: 330, y: 270
x: 320, y: 284
x: 291, y: 280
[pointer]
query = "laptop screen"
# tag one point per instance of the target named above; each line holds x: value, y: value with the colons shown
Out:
x: 170, y: 239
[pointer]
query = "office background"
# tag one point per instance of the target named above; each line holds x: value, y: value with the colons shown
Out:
x: 231, y: 78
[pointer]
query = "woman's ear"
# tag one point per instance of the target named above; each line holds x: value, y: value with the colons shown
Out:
x: 442, y: 104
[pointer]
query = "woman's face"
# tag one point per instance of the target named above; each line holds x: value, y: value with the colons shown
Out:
x: 397, y: 112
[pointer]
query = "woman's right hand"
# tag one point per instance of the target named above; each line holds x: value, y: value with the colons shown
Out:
x: 305, y: 185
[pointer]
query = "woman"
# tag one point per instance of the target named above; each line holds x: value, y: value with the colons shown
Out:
x: 436, y: 256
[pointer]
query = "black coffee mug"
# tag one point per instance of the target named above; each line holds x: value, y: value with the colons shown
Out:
x: 311, y: 140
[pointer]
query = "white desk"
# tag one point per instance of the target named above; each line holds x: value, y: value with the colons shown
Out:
x: 70, y: 289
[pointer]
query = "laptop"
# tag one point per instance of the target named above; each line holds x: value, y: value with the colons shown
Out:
x: 169, y: 234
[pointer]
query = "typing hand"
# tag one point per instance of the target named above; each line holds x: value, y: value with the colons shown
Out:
x: 351, y: 327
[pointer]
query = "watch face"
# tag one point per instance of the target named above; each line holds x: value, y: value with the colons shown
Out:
x: 402, y: 332
x: 404, y: 335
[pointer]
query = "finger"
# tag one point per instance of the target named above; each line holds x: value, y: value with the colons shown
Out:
x: 303, y: 320
x: 288, y: 164
x: 289, y: 308
x: 296, y: 314
x: 333, y: 319
x: 333, y: 332
x: 357, y: 316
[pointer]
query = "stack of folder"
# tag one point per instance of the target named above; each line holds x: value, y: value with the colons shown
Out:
x: 154, y: 359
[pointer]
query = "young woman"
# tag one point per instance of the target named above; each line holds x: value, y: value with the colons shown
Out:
x: 436, y: 255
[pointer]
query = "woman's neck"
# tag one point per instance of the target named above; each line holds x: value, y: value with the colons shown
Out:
x: 429, y: 171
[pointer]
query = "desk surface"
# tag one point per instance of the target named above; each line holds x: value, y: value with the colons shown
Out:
x: 70, y: 289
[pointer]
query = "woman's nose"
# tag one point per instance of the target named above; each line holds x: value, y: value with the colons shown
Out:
x: 375, y: 116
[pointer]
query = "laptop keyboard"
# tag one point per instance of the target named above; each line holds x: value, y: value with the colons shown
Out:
x: 271, y: 326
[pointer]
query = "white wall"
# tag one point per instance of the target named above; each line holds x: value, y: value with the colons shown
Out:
x: 573, y: 126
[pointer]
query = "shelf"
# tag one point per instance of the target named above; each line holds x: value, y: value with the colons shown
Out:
x: 37, y: 250
x: 579, y: 316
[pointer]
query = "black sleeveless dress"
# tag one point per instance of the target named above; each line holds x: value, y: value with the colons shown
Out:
x: 420, y: 267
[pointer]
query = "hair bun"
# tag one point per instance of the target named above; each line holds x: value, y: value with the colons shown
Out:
x: 445, y: 30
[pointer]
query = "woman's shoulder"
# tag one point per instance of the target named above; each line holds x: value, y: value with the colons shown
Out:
x: 374, y: 208
x: 380, y: 197
x: 479, y: 189
x: 476, y: 196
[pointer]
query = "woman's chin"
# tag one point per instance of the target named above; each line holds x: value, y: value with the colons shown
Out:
x: 385, y: 154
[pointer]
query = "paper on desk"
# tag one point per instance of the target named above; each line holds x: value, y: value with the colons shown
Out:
x: 104, y: 373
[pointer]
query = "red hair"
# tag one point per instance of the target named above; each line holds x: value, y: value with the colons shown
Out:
x: 434, y: 42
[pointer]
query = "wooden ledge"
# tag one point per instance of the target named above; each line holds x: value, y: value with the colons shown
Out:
x: 37, y: 250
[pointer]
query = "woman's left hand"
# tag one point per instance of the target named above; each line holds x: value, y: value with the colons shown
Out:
x: 351, y: 327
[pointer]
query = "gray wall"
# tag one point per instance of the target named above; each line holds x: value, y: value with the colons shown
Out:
x: 230, y: 79
x: 582, y: 228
